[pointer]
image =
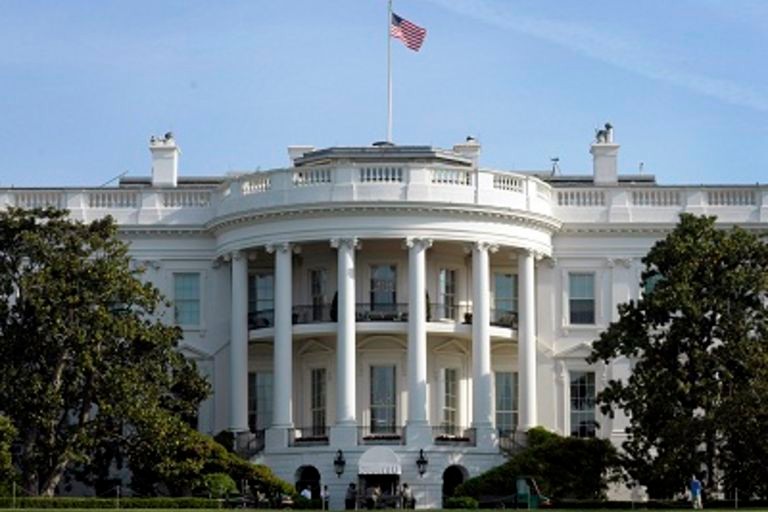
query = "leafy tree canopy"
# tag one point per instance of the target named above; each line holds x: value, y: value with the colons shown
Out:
x: 85, y: 361
x: 697, y: 397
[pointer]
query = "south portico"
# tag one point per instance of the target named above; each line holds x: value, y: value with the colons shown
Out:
x: 418, y: 431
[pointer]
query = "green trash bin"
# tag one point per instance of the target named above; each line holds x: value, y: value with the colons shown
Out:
x: 528, y: 494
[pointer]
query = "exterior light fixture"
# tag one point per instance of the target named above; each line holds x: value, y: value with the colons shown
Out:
x: 339, y: 463
x: 421, y: 463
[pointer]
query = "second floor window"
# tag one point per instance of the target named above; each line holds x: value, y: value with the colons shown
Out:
x: 261, y: 292
x: 581, y: 288
x: 506, y: 401
x: 318, y: 279
x: 186, y: 298
x: 447, y: 294
x: 583, y: 422
x: 383, y: 287
x: 505, y: 292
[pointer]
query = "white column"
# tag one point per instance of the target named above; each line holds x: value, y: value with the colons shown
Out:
x: 238, y: 345
x: 283, y: 345
x: 526, y: 335
x: 417, y: 331
x: 345, y: 338
x: 481, y: 336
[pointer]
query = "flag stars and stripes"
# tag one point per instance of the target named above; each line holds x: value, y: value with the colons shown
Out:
x: 409, y: 33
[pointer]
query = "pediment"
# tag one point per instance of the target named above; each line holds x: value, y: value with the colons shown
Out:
x: 451, y: 346
x: 313, y: 346
x: 579, y: 351
x: 382, y: 343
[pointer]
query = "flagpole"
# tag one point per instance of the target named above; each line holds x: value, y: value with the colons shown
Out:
x: 389, y: 72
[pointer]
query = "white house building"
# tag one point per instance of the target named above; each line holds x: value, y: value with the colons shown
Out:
x: 396, y: 314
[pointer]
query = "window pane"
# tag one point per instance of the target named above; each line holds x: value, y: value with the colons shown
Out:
x: 318, y: 401
x: 186, y: 295
x: 582, y: 298
x: 261, y: 292
x: 583, y: 394
x: 383, y: 399
x: 506, y: 401
x: 259, y: 400
x: 450, y: 397
x: 447, y: 294
x: 383, y: 286
x: 505, y: 292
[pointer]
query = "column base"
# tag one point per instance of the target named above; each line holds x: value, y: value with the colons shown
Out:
x: 276, y: 438
x: 485, y: 436
x: 344, y: 435
x: 418, y: 434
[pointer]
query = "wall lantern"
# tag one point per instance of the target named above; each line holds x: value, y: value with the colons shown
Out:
x: 421, y: 463
x: 339, y: 463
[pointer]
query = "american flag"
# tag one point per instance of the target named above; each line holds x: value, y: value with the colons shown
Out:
x: 410, y: 34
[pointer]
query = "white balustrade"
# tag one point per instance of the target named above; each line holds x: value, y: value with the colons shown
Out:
x: 656, y: 197
x: 381, y: 174
x: 580, y: 198
x: 113, y: 199
x: 186, y: 198
x: 311, y: 176
x: 732, y: 197
x: 255, y: 184
x: 508, y: 182
x: 459, y: 177
x: 39, y: 198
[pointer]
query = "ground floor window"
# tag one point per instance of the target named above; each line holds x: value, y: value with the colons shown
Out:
x: 450, y: 397
x: 506, y: 401
x: 383, y: 399
x: 318, y: 401
x: 583, y: 393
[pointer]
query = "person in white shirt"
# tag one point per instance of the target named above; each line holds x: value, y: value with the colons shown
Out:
x: 306, y: 493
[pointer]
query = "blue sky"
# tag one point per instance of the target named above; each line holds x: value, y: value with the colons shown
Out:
x: 83, y: 84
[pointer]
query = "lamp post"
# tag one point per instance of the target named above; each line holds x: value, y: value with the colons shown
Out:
x: 339, y: 463
x: 421, y: 463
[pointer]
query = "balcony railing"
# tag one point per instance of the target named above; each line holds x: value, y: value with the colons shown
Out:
x: 381, y: 312
x: 438, y: 312
x: 510, y: 441
x: 380, y: 434
x: 248, y: 444
x: 324, y: 313
x: 453, y: 434
x: 308, y: 436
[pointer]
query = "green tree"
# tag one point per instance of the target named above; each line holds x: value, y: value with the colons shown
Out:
x: 7, y: 471
x: 698, y: 338
x: 83, y: 352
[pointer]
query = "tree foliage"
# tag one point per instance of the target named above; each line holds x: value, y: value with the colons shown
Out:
x: 697, y: 397
x: 563, y: 467
x: 7, y: 471
x: 85, y: 362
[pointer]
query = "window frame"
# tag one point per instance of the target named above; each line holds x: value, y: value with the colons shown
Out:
x: 201, y: 280
x: 569, y: 413
x: 515, y: 410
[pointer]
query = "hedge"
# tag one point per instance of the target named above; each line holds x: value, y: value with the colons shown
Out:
x: 107, y: 503
x: 461, y: 502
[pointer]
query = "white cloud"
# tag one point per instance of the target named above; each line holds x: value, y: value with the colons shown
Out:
x: 636, y: 56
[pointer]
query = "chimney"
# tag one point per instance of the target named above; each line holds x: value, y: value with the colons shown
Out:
x: 605, y: 157
x: 470, y: 149
x: 165, y: 160
x: 296, y: 152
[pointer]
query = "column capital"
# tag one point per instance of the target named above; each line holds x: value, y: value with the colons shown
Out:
x: 282, y: 247
x: 484, y: 246
x: 418, y: 243
x: 350, y: 243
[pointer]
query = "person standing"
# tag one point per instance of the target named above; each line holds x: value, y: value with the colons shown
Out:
x: 695, y: 488
x: 324, y: 497
x: 350, y: 500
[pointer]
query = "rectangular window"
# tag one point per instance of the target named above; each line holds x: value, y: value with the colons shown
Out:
x: 186, y: 298
x: 506, y: 402
x: 504, y: 300
x: 261, y: 299
x: 583, y: 394
x: 383, y: 399
x: 259, y: 400
x: 447, y: 294
x: 318, y: 401
x: 318, y: 279
x: 383, y: 287
x: 581, y: 302
x: 450, y: 397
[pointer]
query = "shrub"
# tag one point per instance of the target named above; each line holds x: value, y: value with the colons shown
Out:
x: 219, y: 485
x: 564, y: 467
x: 461, y: 502
x: 103, y: 503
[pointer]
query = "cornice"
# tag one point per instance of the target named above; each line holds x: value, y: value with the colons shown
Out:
x: 656, y: 229
x: 543, y: 222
